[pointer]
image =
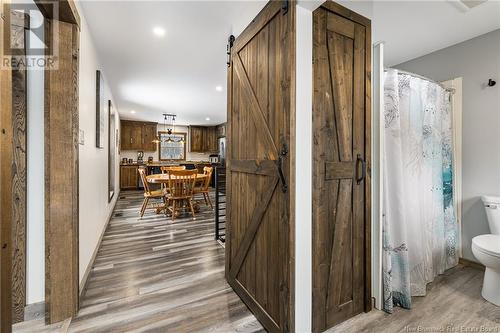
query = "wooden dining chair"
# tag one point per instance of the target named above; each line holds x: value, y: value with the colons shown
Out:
x: 149, y: 194
x: 166, y: 169
x: 204, y: 186
x: 181, y: 184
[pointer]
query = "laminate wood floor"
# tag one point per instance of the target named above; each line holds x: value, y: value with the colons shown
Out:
x: 453, y: 304
x: 155, y: 275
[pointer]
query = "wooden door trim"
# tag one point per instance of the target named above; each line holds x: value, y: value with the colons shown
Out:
x: 6, y: 169
x: 267, y: 13
x: 62, y: 221
x: 368, y: 159
x: 67, y: 11
x: 257, y: 167
x: 19, y: 176
x: 267, y: 321
x: 345, y: 12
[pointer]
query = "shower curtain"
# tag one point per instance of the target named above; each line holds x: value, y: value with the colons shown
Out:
x: 419, y: 227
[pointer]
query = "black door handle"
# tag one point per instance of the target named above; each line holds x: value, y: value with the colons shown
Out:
x: 283, y: 153
x: 361, y: 161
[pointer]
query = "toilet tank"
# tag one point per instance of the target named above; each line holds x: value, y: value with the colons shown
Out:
x: 492, y: 206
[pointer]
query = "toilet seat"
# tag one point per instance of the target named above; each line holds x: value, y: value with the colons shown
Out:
x: 489, y: 244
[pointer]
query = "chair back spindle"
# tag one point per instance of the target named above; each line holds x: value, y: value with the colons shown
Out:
x: 181, y: 183
x: 142, y: 174
x: 208, y: 172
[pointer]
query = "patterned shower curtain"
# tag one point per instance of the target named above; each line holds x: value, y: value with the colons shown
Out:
x: 419, y: 225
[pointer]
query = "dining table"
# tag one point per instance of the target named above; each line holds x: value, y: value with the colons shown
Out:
x: 162, y: 178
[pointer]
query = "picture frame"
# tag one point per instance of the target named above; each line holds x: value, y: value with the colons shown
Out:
x: 111, y: 150
x: 101, y: 108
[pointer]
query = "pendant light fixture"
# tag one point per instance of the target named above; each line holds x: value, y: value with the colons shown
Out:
x: 169, y: 128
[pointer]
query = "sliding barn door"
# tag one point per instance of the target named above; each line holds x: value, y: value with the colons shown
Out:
x: 259, y: 108
x: 341, y: 126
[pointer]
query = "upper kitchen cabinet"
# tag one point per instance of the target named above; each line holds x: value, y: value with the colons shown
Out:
x: 138, y: 135
x: 221, y: 130
x: 196, y: 138
x: 203, y: 139
x: 148, y: 135
x: 210, y: 139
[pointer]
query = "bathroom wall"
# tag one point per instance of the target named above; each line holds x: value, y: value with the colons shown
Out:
x: 475, y: 60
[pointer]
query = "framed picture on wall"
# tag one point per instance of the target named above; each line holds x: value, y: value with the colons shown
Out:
x: 111, y: 150
x: 172, y: 146
x: 101, y: 110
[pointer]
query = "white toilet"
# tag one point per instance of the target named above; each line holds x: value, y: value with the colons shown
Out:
x: 486, y: 249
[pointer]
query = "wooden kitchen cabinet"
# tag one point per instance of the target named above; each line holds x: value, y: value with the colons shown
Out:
x: 129, y: 177
x: 203, y: 139
x: 210, y: 139
x: 125, y: 137
x: 221, y: 130
x: 138, y: 135
x: 148, y: 135
x: 196, y: 139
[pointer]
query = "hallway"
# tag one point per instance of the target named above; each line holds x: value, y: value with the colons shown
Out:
x: 157, y: 276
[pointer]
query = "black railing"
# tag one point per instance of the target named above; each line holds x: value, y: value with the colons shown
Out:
x: 220, y: 204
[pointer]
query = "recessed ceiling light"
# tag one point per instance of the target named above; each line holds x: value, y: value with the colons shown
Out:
x: 207, y: 119
x: 159, y: 31
x: 132, y: 111
x: 218, y: 88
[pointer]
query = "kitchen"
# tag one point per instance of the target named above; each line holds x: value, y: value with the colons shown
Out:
x: 192, y: 146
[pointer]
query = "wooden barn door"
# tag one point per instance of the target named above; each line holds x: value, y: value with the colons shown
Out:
x: 259, y: 107
x: 341, y: 153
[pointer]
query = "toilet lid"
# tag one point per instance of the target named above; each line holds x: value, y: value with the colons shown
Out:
x: 488, y: 243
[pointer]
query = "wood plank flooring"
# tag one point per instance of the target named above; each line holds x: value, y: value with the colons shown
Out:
x: 155, y: 275
x: 453, y: 303
x: 152, y: 275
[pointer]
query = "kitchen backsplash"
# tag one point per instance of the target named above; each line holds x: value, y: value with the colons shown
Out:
x: 190, y: 156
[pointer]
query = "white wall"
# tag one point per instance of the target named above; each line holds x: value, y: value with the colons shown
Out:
x: 35, y: 237
x: 476, y: 61
x: 303, y: 167
x: 93, y: 193
x: 178, y: 128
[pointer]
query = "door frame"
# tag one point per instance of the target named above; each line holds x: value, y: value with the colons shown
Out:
x: 67, y: 13
x: 342, y: 11
x: 6, y: 170
x: 61, y: 179
x: 288, y: 7
x: 19, y: 175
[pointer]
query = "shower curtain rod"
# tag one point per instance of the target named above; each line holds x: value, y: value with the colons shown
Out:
x: 450, y: 90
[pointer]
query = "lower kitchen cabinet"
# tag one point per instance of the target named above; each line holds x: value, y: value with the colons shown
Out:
x: 129, y: 177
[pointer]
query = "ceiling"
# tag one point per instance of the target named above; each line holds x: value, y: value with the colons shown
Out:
x: 179, y: 72
x: 412, y: 29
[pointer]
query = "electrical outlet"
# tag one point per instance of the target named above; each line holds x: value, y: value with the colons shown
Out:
x: 81, y: 137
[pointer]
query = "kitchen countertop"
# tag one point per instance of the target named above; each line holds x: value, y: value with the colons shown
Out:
x: 164, y: 163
